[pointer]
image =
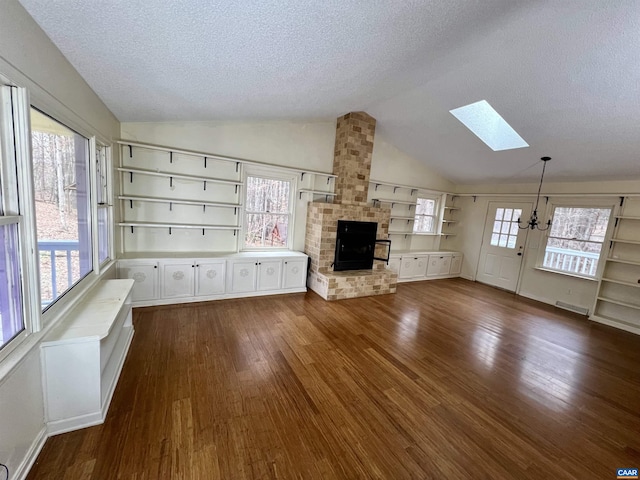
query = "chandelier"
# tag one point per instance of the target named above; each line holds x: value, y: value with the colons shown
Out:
x: 533, y: 223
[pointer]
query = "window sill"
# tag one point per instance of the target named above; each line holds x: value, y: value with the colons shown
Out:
x: 566, y: 274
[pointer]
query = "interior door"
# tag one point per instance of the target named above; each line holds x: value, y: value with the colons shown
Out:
x: 503, y: 245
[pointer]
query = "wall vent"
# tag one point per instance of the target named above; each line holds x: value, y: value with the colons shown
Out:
x: 573, y: 308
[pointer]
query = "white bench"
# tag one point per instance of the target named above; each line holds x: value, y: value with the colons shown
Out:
x: 83, y: 356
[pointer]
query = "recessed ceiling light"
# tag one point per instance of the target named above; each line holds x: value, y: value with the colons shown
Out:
x: 489, y: 126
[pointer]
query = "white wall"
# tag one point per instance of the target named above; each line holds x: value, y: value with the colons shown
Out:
x: 540, y: 285
x: 303, y: 145
x: 28, y: 58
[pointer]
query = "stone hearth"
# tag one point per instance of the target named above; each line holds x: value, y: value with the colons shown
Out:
x: 352, y: 164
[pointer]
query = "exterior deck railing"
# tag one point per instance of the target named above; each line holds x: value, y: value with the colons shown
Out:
x: 572, y: 261
x: 51, y: 247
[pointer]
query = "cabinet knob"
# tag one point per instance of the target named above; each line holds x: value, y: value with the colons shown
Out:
x: 286, y: 263
x: 155, y: 266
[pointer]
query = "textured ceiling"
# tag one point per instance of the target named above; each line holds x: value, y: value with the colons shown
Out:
x: 565, y: 73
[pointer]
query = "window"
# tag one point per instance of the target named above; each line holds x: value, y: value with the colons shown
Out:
x: 61, y: 189
x: 505, y: 227
x: 267, y: 212
x: 103, y: 201
x: 12, y: 318
x: 426, y: 217
x: 575, y: 240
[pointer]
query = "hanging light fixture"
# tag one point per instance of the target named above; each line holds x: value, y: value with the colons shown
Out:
x: 533, y: 220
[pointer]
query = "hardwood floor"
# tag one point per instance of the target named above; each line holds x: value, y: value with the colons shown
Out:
x: 445, y: 380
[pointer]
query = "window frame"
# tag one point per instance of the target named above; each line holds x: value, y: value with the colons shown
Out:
x: 270, y: 174
x: 90, y: 206
x: 576, y: 203
x: 101, y: 163
x: 437, y: 224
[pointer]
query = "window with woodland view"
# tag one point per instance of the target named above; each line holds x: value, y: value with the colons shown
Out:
x: 574, y: 242
x: 426, y: 216
x: 61, y: 189
x: 267, y: 212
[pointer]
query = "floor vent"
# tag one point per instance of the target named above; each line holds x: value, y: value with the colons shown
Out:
x: 573, y: 308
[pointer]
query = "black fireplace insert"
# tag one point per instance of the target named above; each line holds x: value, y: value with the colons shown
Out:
x: 355, y: 245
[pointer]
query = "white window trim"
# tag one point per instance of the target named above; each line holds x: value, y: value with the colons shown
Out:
x: 577, y: 203
x: 273, y: 174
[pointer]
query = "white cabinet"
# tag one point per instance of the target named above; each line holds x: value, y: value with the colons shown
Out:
x: 294, y: 273
x: 456, y: 264
x: 243, y: 274
x: 178, y: 279
x: 82, y: 357
x: 255, y: 275
x: 210, y: 277
x: 269, y: 275
x: 413, y: 266
x: 439, y: 265
x: 169, y: 280
x: 144, y: 273
x: 394, y: 264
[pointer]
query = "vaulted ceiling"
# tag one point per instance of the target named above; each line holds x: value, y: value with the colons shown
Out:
x: 564, y: 73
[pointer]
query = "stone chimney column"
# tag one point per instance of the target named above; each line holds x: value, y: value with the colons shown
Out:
x: 355, y: 132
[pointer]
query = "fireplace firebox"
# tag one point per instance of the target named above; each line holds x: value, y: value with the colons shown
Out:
x: 355, y: 245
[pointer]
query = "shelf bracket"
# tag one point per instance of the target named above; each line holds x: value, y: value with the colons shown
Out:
x: 236, y: 188
x: 203, y: 231
x: 328, y: 180
x: 170, y: 157
x: 377, y: 185
x: 169, y: 230
x: 130, y: 177
x: 237, y: 166
x: 546, y: 200
x: 235, y: 210
x: 475, y: 198
x: 300, y: 196
x: 130, y: 203
x: 621, y: 201
x: 413, y: 190
x: 204, y: 208
x: 170, y: 182
x: 302, y: 176
x: 394, y: 189
x: 616, y: 224
x: 326, y: 198
x: 205, y: 162
x: 131, y: 228
x: 234, y: 233
x: 170, y: 206
x: 204, y: 185
x: 130, y: 151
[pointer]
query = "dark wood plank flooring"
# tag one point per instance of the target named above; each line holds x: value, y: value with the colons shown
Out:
x: 445, y: 380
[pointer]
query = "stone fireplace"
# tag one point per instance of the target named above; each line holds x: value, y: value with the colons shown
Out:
x: 355, y: 133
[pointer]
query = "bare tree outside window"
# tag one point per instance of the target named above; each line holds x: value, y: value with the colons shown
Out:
x: 575, y: 239
x: 268, y: 212
x: 426, y: 216
x: 60, y: 178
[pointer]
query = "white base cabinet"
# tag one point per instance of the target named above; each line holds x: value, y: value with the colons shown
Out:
x: 82, y: 357
x: 414, y: 266
x: 163, y: 280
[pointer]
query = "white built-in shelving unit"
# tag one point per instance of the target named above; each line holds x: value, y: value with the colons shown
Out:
x: 618, y: 299
x: 192, y: 200
x: 449, y: 216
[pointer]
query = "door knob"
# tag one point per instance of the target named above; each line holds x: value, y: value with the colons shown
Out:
x: 519, y: 254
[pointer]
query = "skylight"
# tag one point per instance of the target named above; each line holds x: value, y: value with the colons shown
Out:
x: 489, y: 126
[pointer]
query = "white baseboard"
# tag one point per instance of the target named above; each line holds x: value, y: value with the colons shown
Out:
x: 613, y: 323
x: 31, y: 456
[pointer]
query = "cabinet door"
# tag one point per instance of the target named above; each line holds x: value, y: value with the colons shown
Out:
x: 421, y: 266
x: 295, y: 273
x: 394, y: 264
x: 456, y: 264
x: 145, y: 275
x: 210, y: 277
x: 269, y: 274
x: 434, y: 265
x: 177, y: 280
x: 407, y: 267
x: 445, y: 264
x: 243, y: 276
